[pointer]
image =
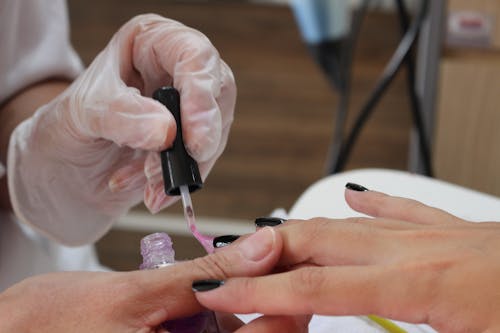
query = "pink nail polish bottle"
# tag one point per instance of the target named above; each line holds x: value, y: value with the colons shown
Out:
x: 157, y: 252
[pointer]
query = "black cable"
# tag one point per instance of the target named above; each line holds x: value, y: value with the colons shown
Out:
x: 415, y: 104
x: 390, y: 71
x: 345, y: 88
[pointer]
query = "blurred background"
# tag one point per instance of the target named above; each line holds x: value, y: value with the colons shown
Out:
x: 286, y: 109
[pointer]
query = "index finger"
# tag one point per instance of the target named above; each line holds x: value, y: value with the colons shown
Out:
x: 166, y: 51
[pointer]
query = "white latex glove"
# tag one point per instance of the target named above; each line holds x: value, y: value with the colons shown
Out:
x: 92, y: 153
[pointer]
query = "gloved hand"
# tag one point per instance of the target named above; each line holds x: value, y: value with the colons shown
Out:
x: 92, y: 153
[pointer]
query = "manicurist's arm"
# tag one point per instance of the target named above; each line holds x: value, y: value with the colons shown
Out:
x: 17, y: 109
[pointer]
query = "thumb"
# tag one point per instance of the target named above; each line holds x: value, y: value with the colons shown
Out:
x: 167, y: 293
x: 129, y: 119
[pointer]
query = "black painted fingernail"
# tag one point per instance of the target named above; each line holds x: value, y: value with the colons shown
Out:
x: 225, y: 240
x: 262, y: 222
x: 206, y: 285
x: 355, y: 187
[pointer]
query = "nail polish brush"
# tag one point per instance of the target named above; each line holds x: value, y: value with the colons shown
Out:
x: 181, y: 175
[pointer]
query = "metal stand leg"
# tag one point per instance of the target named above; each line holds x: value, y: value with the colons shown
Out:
x: 428, y: 56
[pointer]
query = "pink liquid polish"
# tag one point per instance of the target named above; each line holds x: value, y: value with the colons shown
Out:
x: 157, y: 252
x: 204, y: 240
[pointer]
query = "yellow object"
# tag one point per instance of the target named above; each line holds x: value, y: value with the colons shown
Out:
x: 388, y: 325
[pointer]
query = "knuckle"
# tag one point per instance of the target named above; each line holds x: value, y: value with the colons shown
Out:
x: 201, y: 50
x: 359, y: 220
x: 409, y: 206
x: 142, y: 21
x: 432, y: 274
x: 427, y: 234
x: 248, y: 286
x: 145, y: 17
x: 130, y: 286
x: 216, y: 266
x: 315, y: 229
x: 308, y: 282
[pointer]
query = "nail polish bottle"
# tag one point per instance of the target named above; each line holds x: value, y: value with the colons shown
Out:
x: 157, y: 252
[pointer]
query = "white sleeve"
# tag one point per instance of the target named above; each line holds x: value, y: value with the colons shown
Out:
x: 35, y: 44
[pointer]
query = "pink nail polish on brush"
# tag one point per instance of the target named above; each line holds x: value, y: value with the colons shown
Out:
x: 181, y: 176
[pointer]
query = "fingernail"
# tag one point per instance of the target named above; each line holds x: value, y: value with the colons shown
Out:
x: 225, y: 240
x: 206, y: 285
x: 159, y: 198
x: 355, y: 187
x: 152, y: 166
x: 262, y: 222
x: 113, y: 185
x: 258, y: 245
x: 153, y: 199
x: 121, y: 182
x: 152, y: 172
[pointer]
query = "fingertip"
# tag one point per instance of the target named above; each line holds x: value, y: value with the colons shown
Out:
x: 200, y: 286
x: 257, y: 252
x: 164, y: 127
x: 367, y: 202
x: 250, y: 255
x: 208, y: 293
x: 155, y: 198
x: 152, y: 168
x: 129, y: 177
x: 135, y: 121
x: 352, y: 197
x: 155, y: 122
x: 114, y: 183
x: 151, y: 199
x: 354, y: 193
x: 201, y: 121
x: 355, y: 187
x: 202, y: 137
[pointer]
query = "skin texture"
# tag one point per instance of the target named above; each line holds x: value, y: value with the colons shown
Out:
x: 126, y: 302
x: 410, y: 262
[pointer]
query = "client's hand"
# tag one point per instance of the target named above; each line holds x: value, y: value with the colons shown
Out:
x: 136, y: 301
x: 411, y: 262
